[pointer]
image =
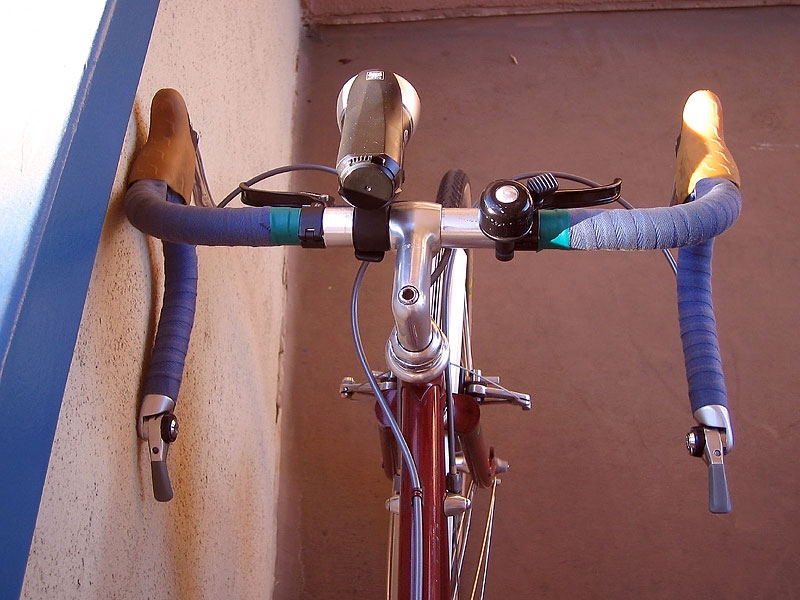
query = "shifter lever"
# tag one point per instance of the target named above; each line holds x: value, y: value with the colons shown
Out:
x: 158, y: 425
x: 710, y: 444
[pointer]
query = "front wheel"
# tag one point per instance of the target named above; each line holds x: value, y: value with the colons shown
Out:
x: 454, y: 320
x: 451, y: 306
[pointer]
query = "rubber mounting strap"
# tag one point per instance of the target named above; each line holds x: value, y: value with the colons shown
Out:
x: 554, y: 229
x: 371, y: 233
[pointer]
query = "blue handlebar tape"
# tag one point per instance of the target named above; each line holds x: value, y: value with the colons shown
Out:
x: 692, y: 227
x: 156, y: 210
x: 717, y: 206
x: 699, y: 328
x: 207, y: 226
x: 165, y: 367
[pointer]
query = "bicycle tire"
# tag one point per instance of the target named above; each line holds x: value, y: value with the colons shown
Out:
x: 454, y: 192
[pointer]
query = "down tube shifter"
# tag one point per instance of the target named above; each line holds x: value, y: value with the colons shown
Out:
x: 158, y: 425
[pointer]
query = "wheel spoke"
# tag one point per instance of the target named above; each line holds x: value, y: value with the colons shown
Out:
x: 483, y: 563
x: 461, y: 540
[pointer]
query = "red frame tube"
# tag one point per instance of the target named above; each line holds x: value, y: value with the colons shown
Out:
x: 422, y: 407
x: 467, y: 423
x: 389, y: 451
x: 422, y: 423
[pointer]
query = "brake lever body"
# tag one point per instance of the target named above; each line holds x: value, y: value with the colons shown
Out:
x: 585, y: 197
x: 254, y: 197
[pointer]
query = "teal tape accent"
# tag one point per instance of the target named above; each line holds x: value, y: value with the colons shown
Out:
x: 284, y: 223
x: 554, y: 229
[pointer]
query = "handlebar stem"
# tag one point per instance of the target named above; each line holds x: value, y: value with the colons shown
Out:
x: 417, y: 351
x: 414, y: 231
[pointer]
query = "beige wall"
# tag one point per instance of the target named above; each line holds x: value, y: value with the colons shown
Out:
x: 376, y: 11
x: 99, y: 533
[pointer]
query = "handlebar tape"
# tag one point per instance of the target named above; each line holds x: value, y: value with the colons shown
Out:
x: 692, y: 227
x: 207, y: 226
x: 165, y: 367
x: 717, y: 206
x: 699, y: 327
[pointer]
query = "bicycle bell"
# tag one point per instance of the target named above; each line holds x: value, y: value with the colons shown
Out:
x: 506, y: 215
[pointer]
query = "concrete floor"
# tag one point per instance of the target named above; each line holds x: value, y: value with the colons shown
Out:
x: 602, y: 500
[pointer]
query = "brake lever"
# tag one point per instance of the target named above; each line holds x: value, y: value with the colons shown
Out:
x: 254, y: 197
x: 547, y: 195
x: 593, y: 196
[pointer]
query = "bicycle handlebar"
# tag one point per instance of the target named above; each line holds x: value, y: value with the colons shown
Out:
x: 689, y: 224
x: 717, y: 207
x: 159, y: 186
x: 693, y: 224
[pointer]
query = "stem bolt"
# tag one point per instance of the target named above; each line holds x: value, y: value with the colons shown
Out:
x: 408, y: 294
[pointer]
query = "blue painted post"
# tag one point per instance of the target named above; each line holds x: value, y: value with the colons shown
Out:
x: 42, y: 340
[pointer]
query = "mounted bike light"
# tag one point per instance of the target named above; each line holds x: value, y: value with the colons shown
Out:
x: 376, y: 112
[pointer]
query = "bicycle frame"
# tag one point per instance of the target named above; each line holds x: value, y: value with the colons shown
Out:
x: 422, y: 407
x: 418, y: 350
x: 423, y: 427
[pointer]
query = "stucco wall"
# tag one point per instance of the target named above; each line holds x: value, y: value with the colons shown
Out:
x: 100, y: 533
x: 377, y: 11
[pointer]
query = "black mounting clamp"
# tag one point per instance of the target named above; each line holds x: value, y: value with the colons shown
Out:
x: 371, y: 233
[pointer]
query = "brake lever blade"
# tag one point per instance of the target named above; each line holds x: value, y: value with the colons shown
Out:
x: 254, y: 197
x: 593, y: 196
x: 200, y: 191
